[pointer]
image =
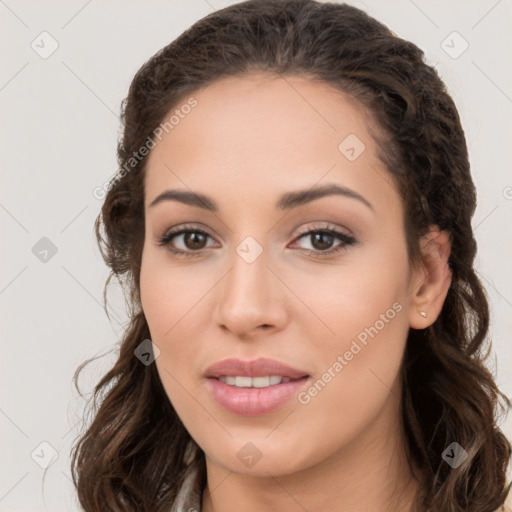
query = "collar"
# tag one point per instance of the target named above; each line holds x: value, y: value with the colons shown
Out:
x: 190, y: 494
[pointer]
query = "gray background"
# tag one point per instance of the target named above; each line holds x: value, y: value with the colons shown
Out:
x: 58, y: 138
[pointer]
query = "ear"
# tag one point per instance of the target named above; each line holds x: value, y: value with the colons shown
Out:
x: 431, y: 281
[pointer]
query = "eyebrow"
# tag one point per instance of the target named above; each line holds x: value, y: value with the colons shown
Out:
x: 287, y: 201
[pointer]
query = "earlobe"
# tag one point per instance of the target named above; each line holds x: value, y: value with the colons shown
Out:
x: 432, y: 280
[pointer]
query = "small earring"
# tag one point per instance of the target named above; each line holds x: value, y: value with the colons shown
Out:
x: 422, y: 313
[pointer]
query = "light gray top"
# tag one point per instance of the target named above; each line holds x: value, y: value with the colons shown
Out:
x: 190, y: 494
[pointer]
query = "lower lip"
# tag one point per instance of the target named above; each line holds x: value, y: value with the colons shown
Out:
x: 254, y: 401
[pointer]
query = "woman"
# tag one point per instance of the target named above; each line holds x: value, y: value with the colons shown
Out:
x: 292, y: 221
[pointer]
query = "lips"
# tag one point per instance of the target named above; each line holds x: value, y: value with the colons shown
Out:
x: 253, y: 400
x: 257, y: 368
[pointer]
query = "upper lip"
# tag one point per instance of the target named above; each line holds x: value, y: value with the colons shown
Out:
x: 256, y: 368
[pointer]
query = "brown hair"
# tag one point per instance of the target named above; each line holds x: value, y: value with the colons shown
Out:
x: 131, y: 457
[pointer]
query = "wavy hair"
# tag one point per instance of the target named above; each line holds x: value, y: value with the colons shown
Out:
x: 131, y: 457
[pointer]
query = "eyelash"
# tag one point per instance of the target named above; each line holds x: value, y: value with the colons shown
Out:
x: 347, y: 240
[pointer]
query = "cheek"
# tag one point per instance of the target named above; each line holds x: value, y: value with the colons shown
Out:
x: 175, y: 303
x: 168, y: 292
x: 364, y: 321
x: 169, y: 301
x: 368, y: 292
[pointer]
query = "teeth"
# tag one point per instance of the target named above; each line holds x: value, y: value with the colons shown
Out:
x: 254, y: 382
x: 243, y: 382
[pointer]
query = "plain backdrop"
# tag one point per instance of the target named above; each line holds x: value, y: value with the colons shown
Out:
x: 59, y: 129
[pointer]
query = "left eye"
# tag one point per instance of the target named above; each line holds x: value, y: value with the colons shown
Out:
x: 322, y: 240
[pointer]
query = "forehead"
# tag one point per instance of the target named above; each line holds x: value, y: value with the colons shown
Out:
x: 261, y: 131
x: 270, y: 111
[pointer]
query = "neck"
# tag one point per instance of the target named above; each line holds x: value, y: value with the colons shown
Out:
x: 372, y: 473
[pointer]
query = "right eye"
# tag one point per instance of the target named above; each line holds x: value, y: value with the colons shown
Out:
x: 192, y: 240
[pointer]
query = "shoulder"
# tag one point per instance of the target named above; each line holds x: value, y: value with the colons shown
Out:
x: 507, y: 507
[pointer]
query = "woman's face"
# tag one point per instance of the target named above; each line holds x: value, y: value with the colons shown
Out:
x: 253, y: 284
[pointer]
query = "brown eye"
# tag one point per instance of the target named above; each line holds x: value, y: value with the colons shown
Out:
x: 322, y: 240
x: 194, y: 240
x: 185, y: 242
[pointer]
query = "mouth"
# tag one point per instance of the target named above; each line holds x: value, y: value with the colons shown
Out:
x: 253, y: 388
x: 254, y: 382
x: 266, y: 368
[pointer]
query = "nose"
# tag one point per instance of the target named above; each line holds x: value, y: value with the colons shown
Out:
x: 251, y: 299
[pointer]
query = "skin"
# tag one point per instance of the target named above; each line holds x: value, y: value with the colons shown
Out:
x: 249, y: 140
